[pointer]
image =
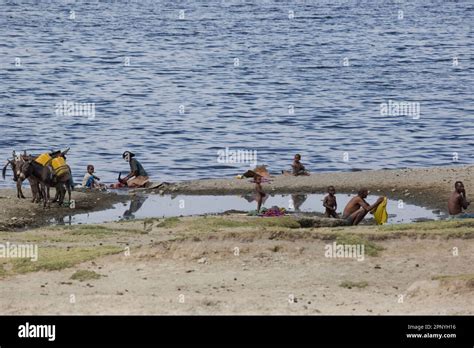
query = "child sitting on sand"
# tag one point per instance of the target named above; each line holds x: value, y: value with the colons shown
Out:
x: 297, y: 167
x: 330, y: 203
x: 90, y: 180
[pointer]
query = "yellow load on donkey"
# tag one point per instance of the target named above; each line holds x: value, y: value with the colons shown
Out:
x: 44, y: 159
x: 59, y: 166
x: 62, y: 176
x: 58, y: 163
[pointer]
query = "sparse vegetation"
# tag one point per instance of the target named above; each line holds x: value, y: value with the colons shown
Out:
x: 217, y: 223
x: 370, y: 248
x: 90, y: 230
x: 349, y: 285
x: 276, y: 248
x: 54, y: 258
x: 169, y: 222
x: 466, y: 277
x: 83, y: 275
x: 430, y: 225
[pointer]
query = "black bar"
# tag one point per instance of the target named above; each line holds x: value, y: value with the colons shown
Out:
x: 224, y: 330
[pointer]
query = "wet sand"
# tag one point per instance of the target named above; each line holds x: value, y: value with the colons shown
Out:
x: 17, y: 214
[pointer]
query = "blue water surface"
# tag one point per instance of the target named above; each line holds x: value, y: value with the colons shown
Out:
x: 177, y: 81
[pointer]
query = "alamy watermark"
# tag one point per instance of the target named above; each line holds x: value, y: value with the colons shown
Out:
x: 37, y: 331
x: 355, y: 251
x: 400, y: 108
x: 21, y: 251
x: 229, y: 156
x: 69, y: 108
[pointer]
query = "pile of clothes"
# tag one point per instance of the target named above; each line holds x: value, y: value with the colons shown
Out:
x: 271, y: 212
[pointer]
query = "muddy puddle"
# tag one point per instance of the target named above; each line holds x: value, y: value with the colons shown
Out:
x: 156, y: 206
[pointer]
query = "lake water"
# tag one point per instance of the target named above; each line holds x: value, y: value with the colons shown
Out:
x: 177, y: 81
x: 155, y: 206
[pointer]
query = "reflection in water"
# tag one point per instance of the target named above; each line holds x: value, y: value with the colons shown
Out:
x: 253, y: 198
x: 155, y: 206
x: 298, y: 200
x: 135, y: 204
x: 64, y: 220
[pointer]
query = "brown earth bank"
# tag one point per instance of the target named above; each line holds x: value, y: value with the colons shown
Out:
x: 16, y: 213
x: 239, y: 264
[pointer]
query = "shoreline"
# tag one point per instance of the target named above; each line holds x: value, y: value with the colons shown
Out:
x: 428, y: 187
x: 19, y: 214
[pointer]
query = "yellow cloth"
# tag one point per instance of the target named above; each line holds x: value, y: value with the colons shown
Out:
x: 381, y: 215
x: 59, y: 166
x: 43, y: 159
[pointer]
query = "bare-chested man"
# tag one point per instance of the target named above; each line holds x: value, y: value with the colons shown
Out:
x: 357, y: 208
x: 330, y: 203
x: 458, y: 201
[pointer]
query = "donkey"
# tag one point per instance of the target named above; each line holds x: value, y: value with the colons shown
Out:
x: 15, y: 165
x: 44, y: 174
x: 41, y: 173
x: 63, y: 184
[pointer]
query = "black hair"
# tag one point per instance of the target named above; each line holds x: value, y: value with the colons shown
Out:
x: 128, y: 152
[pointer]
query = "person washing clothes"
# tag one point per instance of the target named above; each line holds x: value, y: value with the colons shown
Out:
x: 138, y: 177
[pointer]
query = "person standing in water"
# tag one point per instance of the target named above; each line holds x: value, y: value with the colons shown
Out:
x: 260, y: 195
x: 330, y: 203
x: 138, y: 177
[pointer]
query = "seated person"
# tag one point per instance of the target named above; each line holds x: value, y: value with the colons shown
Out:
x: 90, y: 180
x: 297, y: 167
x: 458, y: 201
x: 138, y: 177
x: 357, y: 208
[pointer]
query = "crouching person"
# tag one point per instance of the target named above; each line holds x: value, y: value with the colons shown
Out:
x: 138, y: 177
x: 357, y: 208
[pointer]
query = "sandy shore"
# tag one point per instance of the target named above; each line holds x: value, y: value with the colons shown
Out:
x: 241, y: 265
x: 237, y: 264
x: 428, y: 187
